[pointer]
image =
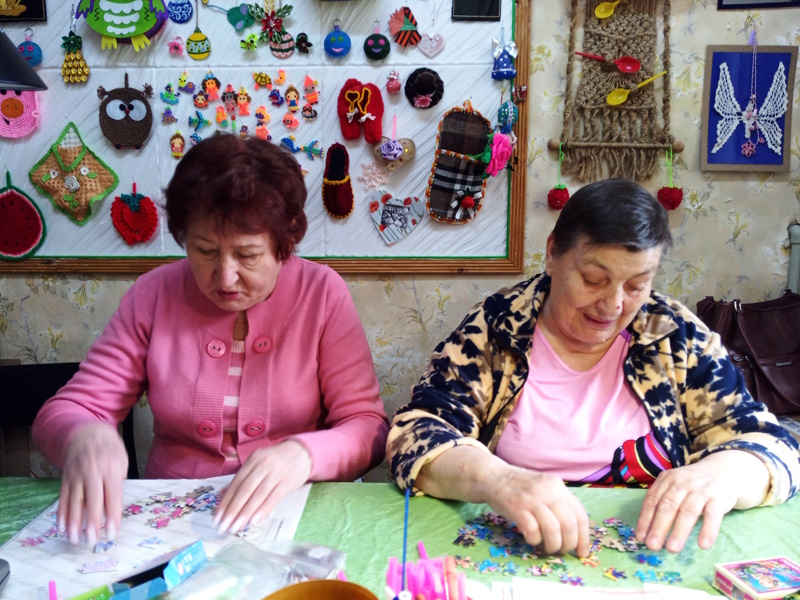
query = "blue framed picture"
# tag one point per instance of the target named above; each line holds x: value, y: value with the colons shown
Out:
x: 749, y: 4
x: 747, y: 105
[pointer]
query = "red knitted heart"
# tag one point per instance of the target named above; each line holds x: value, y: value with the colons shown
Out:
x: 135, y: 217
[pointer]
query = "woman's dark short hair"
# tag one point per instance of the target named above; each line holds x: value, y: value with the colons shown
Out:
x: 246, y: 184
x: 614, y: 212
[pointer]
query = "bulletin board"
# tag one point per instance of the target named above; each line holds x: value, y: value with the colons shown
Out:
x: 492, y: 242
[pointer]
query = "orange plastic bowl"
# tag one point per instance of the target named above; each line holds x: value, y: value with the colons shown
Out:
x: 323, y: 589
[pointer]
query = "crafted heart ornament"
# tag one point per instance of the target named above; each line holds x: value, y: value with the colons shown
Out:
x: 393, y: 153
x: 395, y: 218
x: 134, y: 216
x: 431, y: 45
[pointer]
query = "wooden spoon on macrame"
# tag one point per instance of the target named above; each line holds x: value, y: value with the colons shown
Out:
x: 619, y: 95
x: 605, y: 9
x: 626, y: 64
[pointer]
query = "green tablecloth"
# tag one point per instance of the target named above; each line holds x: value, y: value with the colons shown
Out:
x: 366, y: 521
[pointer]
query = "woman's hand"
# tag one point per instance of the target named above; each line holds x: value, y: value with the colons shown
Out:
x: 91, y: 486
x: 541, y: 505
x: 264, y: 479
x: 709, y: 488
x: 543, y: 509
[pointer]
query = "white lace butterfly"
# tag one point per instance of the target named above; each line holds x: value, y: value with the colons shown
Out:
x: 763, y: 118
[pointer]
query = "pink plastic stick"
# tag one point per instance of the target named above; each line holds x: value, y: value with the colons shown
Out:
x: 423, y: 554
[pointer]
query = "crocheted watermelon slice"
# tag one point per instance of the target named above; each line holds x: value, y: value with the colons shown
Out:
x: 22, y: 228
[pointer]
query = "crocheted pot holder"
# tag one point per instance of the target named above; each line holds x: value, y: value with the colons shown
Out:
x: 134, y: 216
x: 73, y: 176
x: 395, y: 218
x: 22, y: 228
x: 456, y: 184
x: 19, y: 114
x: 125, y: 114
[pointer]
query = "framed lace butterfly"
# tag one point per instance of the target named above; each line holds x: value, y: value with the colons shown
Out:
x: 748, y: 104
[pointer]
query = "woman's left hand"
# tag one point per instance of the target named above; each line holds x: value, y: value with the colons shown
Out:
x: 264, y: 479
x: 709, y: 488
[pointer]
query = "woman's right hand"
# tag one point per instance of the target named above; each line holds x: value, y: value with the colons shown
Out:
x: 542, y: 507
x: 91, y: 485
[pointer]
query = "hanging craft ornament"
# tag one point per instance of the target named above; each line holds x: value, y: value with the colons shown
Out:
x: 249, y: 43
x: 175, y: 46
x: 393, y: 85
x: 403, y: 27
x: 22, y: 228
x: 180, y: 11
x: 376, y: 46
x: 394, y: 153
x: 74, y: 68
x: 198, y: 46
x: 302, y: 44
x: 760, y: 122
x: 670, y: 196
x: 273, y: 32
x: 507, y: 116
x: 504, y: 54
x: 134, y: 216
x: 177, y: 143
x: 73, y: 176
x: 239, y: 16
x: 337, y: 42
x: 19, y: 113
x: 30, y: 50
x: 125, y: 115
x: 184, y: 85
x: 431, y: 45
x: 558, y: 196
x: 123, y: 20
x: 424, y: 88
x: 394, y: 218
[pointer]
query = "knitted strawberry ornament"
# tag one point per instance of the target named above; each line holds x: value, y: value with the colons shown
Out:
x: 670, y: 196
x: 558, y: 196
x: 134, y: 216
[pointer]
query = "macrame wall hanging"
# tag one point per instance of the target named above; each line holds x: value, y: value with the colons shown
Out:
x: 600, y: 139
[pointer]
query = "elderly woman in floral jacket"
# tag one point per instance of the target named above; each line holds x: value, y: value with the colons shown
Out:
x: 584, y: 374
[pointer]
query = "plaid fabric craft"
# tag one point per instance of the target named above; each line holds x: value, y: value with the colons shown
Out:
x: 454, y: 173
x: 456, y: 185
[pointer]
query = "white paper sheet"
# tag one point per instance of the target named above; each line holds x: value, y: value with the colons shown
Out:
x: 36, y: 556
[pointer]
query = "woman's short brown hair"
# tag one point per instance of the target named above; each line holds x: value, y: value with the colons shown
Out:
x: 246, y: 184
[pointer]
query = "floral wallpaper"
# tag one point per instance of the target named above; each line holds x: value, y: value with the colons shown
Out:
x: 730, y: 231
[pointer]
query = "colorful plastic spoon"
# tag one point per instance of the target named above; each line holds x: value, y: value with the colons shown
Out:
x: 619, y: 95
x: 626, y: 64
x: 605, y: 9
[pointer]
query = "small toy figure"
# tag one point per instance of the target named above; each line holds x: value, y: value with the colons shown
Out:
x: 169, y: 95
x: 229, y: 98
x: 243, y: 102
x: 288, y: 142
x: 177, y: 144
x: 211, y: 86
x: 222, y: 118
x: 310, y: 88
x: 167, y: 117
x: 243, y: 131
x: 290, y: 121
x: 194, y: 139
x: 302, y: 44
x: 311, y: 150
x: 262, y: 80
x: 309, y: 114
x: 275, y: 97
x: 292, y: 97
x: 249, y: 43
x: 200, y: 99
x: 262, y: 118
x: 281, y: 79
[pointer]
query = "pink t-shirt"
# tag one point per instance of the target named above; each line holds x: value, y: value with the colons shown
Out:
x: 568, y: 422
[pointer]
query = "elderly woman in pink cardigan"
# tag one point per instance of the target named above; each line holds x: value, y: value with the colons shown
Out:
x: 254, y: 360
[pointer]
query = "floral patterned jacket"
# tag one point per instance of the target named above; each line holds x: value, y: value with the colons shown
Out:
x: 693, y: 394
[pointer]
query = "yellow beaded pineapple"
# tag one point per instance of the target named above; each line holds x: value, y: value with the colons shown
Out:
x: 74, y: 69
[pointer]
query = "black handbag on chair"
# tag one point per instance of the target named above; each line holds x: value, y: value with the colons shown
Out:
x: 763, y: 340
